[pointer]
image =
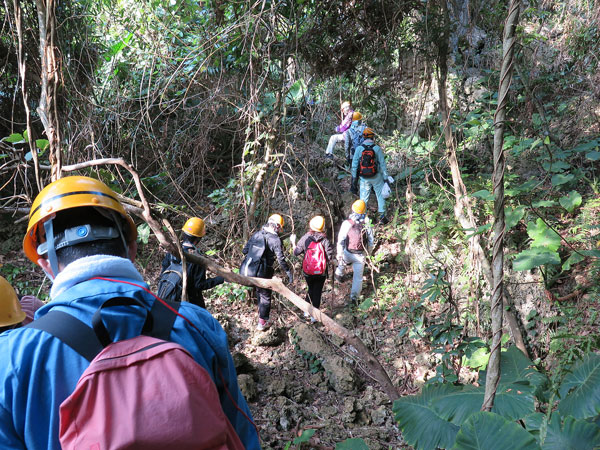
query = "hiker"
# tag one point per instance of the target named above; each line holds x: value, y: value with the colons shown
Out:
x: 81, y: 236
x: 170, y: 284
x: 347, y: 113
x: 318, y: 252
x: 354, y: 135
x: 16, y: 311
x: 266, y: 245
x: 368, y: 166
x: 354, y: 239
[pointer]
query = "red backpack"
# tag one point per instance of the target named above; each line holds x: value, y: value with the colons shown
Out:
x: 141, y: 393
x: 315, y: 261
x: 368, y: 162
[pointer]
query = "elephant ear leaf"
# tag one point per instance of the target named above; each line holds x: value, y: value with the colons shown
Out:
x: 486, y: 430
x: 421, y: 426
x: 580, y: 390
x: 572, y: 434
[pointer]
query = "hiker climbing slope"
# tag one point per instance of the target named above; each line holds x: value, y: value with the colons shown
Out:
x: 369, y: 169
x: 347, y: 113
x: 318, y: 252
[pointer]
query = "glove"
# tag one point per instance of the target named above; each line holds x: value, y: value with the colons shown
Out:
x: 354, y: 186
x: 337, y: 129
x: 290, y: 276
x: 219, y: 280
x: 390, y: 179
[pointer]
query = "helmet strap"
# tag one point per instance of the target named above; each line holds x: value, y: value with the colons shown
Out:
x: 117, y: 222
x: 49, y: 228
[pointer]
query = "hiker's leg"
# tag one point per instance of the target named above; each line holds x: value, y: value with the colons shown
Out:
x: 358, y: 266
x: 315, y: 288
x: 365, y: 189
x: 377, y: 182
x: 333, y: 140
x: 264, y: 303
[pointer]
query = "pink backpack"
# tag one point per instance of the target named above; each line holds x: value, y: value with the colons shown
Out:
x: 315, y: 261
x: 141, y: 393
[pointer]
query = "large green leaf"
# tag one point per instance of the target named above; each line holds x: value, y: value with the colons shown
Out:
x: 486, y: 430
x: 571, y: 201
x: 421, y: 426
x: 543, y: 236
x: 515, y: 367
x: 571, y: 435
x: 560, y: 178
x: 583, y: 388
x: 535, y: 257
x: 513, y: 401
x: 352, y: 444
x: 513, y: 215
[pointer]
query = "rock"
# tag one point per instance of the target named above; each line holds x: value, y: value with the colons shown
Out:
x: 242, y: 363
x: 348, y: 410
x: 379, y: 415
x: 341, y: 377
x: 247, y: 387
x: 277, y: 387
x: 272, y: 337
x: 308, y: 340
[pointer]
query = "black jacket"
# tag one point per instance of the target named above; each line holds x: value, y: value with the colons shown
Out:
x: 273, y: 249
x: 196, y: 277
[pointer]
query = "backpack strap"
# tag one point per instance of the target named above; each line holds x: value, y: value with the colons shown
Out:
x: 84, y: 340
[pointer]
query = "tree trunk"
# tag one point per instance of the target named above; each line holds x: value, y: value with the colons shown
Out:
x: 493, y: 370
x: 50, y: 76
x: 462, y: 205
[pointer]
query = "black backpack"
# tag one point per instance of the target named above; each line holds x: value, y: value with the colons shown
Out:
x: 170, y: 283
x: 368, y: 162
x: 254, y: 265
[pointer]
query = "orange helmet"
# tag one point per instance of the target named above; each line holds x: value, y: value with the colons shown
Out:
x: 357, y: 116
x: 194, y: 227
x: 317, y: 223
x: 359, y: 207
x: 368, y: 133
x: 67, y: 193
x: 10, y: 307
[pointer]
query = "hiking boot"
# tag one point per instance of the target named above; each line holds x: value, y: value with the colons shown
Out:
x: 339, y: 278
x: 313, y: 320
x: 263, y: 324
x: 383, y: 220
x: 306, y: 315
x: 329, y: 156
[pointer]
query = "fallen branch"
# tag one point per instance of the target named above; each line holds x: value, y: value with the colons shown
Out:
x: 275, y: 284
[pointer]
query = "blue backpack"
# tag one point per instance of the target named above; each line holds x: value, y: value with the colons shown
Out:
x: 356, y: 137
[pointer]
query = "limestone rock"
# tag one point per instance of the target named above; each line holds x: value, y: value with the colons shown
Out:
x: 247, y: 387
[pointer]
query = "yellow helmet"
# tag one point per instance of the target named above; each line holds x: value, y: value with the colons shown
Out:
x: 194, y: 227
x: 359, y: 207
x: 10, y: 307
x: 357, y: 116
x: 346, y: 104
x: 317, y: 223
x: 277, y: 219
x: 368, y: 133
x: 67, y: 193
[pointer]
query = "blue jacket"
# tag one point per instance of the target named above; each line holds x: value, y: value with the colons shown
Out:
x: 381, y: 168
x: 37, y: 371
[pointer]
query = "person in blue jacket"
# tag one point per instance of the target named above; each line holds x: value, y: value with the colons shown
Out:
x: 371, y: 172
x: 81, y: 236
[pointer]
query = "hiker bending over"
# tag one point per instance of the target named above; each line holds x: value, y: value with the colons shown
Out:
x: 340, y: 130
x: 261, y: 250
x: 354, y: 239
x: 318, y: 253
x: 81, y: 236
x: 368, y: 166
x: 170, y: 283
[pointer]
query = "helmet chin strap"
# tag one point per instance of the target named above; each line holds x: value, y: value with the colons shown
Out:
x: 117, y: 222
x: 49, y: 228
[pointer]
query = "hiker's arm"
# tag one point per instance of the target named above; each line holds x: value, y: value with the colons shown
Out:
x: 210, y: 283
x: 342, y: 238
x: 301, y: 246
x: 328, y: 249
x: 8, y: 435
x: 381, y: 162
x: 356, y: 160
